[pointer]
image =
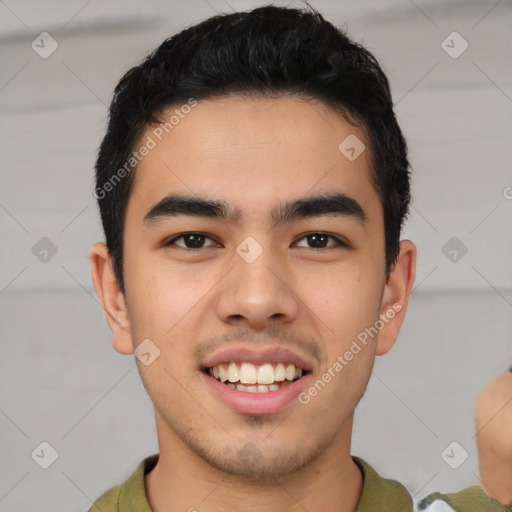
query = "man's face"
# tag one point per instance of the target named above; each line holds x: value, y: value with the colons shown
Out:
x: 256, y: 287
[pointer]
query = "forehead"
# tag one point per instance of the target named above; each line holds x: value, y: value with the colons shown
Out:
x: 249, y: 152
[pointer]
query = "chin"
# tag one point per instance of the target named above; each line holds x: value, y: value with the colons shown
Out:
x: 258, y: 460
x: 251, y: 464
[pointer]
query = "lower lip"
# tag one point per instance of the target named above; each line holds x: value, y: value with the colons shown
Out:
x: 244, y: 402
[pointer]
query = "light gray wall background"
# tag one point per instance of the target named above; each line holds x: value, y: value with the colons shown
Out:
x: 62, y: 383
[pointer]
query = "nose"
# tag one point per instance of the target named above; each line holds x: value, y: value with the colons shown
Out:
x: 257, y: 294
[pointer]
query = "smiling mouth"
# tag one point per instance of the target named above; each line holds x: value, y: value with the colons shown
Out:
x: 252, y: 378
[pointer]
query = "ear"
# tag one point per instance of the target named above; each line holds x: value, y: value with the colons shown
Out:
x: 112, y: 300
x: 395, y: 296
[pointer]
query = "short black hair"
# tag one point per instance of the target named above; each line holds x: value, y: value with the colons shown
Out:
x: 269, y: 52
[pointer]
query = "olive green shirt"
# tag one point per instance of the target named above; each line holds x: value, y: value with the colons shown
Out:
x: 378, y: 495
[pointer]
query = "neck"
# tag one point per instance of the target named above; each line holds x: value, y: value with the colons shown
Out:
x: 182, y: 480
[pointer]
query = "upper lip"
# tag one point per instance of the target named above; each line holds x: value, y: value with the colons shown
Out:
x: 256, y: 356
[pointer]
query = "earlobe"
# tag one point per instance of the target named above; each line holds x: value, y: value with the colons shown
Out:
x: 111, y: 298
x: 395, y: 296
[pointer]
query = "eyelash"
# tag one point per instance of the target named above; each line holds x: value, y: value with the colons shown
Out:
x: 339, y: 242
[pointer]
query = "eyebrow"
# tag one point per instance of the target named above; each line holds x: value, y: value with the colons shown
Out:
x: 336, y: 203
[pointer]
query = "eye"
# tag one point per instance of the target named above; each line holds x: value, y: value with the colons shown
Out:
x: 320, y: 241
x: 195, y: 240
x: 191, y: 241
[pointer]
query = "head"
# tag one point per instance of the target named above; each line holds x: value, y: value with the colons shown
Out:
x: 237, y: 219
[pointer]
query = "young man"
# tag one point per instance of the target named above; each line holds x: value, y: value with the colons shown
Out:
x: 252, y: 185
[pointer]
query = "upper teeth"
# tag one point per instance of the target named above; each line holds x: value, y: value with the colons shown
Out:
x: 247, y: 373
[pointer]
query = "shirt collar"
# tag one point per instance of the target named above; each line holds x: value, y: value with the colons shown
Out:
x: 378, y: 494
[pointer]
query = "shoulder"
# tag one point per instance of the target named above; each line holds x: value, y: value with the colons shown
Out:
x: 108, y: 501
x: 494, y: 403
x: 379, y: 494
x: 467, y: 500
x: 129, y: 496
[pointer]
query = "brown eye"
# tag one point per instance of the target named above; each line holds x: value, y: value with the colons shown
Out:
x: 191, y: 241
x: 320, y: 241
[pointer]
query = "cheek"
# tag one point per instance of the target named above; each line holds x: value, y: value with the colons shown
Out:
x: 344, y: 300
x: 164, y: 294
